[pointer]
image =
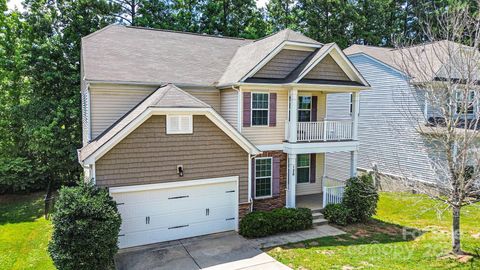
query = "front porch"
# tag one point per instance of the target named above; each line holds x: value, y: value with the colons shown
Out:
x: 311, y: 201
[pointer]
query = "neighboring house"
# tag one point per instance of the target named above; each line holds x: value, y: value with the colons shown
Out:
x: 190, y: 132
x: 390, y: 114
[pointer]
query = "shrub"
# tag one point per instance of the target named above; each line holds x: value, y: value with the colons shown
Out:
x: 86, y: 224
x: 360, y: 198
x: 337, y: 213
x: 260, y: 223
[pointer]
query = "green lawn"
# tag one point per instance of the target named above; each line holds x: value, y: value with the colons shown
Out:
x: 24, y: 233
x: 408, y: 233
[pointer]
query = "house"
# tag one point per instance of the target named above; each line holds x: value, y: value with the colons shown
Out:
x: 392, y: 112
x: 190, y: 132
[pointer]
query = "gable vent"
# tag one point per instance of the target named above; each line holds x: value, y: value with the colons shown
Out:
x: 179, y: 124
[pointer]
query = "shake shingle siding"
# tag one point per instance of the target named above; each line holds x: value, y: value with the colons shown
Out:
x: 388, y: 117
x: 149, y: 156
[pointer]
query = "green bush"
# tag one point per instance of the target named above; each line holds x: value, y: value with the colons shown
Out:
x: 337, y: 213
x: 86, y: 224
x: 361, y: 198
x: 261, y: 223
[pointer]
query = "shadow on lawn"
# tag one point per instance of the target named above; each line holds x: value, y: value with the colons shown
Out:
x: 372, y: 232
x: 21, y: 208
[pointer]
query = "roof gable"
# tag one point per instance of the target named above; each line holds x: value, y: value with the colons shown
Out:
x: 282, y: 64
x: 327, y: 69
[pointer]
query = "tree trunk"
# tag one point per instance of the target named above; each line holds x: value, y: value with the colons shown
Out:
x: 456, y: 248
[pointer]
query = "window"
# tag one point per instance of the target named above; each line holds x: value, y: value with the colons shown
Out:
x: 303, y: 168
x: 263, y: 177
x: 351, y: 103
x: 179, y: 124
x: 470, y: 100
x: 304, y: 108
x: 260, y: 109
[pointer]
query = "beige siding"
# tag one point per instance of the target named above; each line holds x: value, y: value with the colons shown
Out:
x: 229, y: 106
x: 110, y: 102
x: 270, y: 135
x: 321, y: 103
x: 282, y: 64
x: 312, y: 188
x: 148, y: 156
x: 327, y: 69
x: 209, y: 96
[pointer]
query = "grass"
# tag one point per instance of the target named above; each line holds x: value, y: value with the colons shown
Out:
x: 408, y: 232
x: 24, y: 233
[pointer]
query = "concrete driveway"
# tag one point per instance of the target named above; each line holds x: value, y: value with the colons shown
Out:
x: 217, y: 251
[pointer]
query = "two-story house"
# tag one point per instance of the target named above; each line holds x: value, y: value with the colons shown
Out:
x: 190, y: 132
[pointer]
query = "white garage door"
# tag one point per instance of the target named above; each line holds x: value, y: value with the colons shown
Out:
x: 163, y: 212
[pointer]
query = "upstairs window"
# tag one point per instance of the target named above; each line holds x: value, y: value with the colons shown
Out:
x: 179, y: 124
x: 260, y: 109
x: 304, y: 108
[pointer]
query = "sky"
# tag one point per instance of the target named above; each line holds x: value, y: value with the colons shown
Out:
x: 17, y: 3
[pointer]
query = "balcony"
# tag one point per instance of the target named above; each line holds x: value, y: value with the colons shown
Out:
x: 321, y: 131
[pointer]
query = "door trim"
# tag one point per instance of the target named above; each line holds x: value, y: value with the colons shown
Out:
x: 179, y: 184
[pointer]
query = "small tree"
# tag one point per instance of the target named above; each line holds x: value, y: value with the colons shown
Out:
x: 445, y: 74
x: 360, y: 198
x: 86, y: 224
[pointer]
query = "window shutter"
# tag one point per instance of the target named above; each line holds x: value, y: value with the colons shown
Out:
x: 276, y: 176
x: 273, y: 110
x: 253, y: 178
x: 313, y: 117
x: 247, y: 110
x: 313, y: 167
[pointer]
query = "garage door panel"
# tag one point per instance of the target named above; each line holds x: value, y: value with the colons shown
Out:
x: 175, y: 213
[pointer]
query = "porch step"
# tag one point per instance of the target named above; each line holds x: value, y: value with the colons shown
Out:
x: 316, y: 210
x: 318, y: 218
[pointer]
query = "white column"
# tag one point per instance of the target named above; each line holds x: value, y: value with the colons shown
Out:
x: 355, y: 114
x: 353, y: 163
x: 293, y: 115
x: 292, y: 180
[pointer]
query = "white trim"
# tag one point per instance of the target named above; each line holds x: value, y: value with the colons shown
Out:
x: 89, y: 113
x: 270, y: 147
x: 321, y: 147
x: 208, y: 112
x: 268, y: 109
x: 173, y: 132
x: 93, y: 174
x: 352, y: 68
x: 176, y: 184
x: 255, y: 179
x: 249, y: 177
x: 273, y: 53
x: 239, y: 109
x: 309, y: 87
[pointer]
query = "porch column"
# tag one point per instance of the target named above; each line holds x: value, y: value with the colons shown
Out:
x: 353, y: 163
x: 293, y: 115
x: 355, y: 114
x: 292, y: 180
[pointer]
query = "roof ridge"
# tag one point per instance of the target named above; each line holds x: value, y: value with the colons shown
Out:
x: 184, y: 32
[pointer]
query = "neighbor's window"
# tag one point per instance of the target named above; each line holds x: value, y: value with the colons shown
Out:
x: 351, y: 103
x: 179, y: 124
x: 259, y: 109
x: 470, y: 100
x: 304, y: 108
x: 303, y: 168
x: 263, y: 177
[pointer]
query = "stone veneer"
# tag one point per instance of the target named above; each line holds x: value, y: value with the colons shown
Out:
x: 280, y: 200
x: 243, y: 209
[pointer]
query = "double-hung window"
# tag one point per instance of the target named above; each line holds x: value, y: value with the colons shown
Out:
x: 470, y: 102
x: 260, y: 108
x: 303, y: 168
x: 304, y: 108
x: 263, y: 177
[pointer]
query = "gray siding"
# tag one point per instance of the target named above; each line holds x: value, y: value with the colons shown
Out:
x: 337, y: 165
x: 282, y: 64
x: 389, y: 114
x: 229, y: 106
x: 327, y: 69
x: 149, y: 156
x: 209, y: 96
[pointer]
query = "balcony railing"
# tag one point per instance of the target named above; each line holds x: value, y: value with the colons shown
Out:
x: 329, y: 130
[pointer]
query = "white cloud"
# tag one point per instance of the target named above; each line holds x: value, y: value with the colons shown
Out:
x: 12, y: 4
x: 262, y: 3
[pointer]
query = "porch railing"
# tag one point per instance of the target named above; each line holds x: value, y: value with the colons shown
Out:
x: 333, y: 191
x: 328, y: 130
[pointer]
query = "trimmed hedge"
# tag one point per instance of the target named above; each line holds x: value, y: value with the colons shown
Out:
x: 261, y: 223
x: 86, y: 224
x: 337, y: 214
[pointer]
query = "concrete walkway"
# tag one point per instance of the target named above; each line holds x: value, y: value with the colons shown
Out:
x: 293, y: 237
x: 214, y: 252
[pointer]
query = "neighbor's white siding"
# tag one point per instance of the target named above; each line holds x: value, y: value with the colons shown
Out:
x: 229, y: 106
x: 387, y: 131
